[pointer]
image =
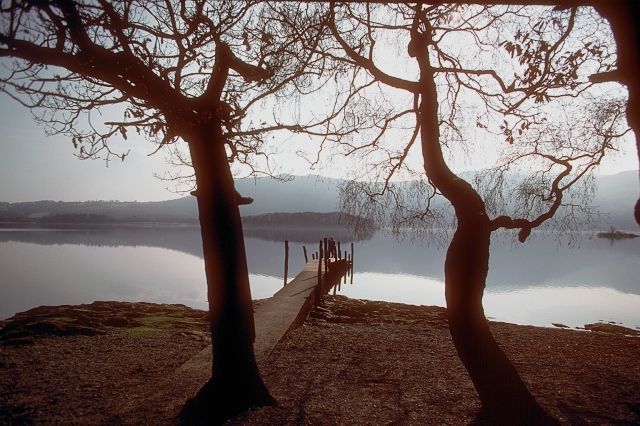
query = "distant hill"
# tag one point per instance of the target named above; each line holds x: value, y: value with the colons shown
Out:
x: 615, y: 196
x: 303, y: 194
x: 183, y: 209
x: 307, y: 227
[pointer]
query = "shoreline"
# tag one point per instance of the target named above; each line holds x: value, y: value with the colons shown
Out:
x: 602, y: 326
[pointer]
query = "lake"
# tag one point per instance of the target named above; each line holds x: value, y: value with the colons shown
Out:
x: 536, y: 283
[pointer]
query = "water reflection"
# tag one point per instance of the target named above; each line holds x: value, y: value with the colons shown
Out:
x: 265, y: 256
x: 535, y: 283
x: 400, y: 288
x: 69, y: 274
x: 572, y: 306
x: 539, y: 262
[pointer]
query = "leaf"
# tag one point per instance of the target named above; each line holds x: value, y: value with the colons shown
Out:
x: 245, y: 40
x: 266, y: 38
x: 518, y: 50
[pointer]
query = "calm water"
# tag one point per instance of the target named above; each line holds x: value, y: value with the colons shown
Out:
x: 536, y: 283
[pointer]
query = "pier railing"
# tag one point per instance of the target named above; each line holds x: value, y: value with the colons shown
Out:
x: 333, y: 265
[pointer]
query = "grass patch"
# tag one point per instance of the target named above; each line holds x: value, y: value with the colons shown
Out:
x: 141, y: 331
x: 155, y: 319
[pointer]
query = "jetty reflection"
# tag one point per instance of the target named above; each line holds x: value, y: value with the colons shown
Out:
x: 539, y: 263
x: 537, y: 283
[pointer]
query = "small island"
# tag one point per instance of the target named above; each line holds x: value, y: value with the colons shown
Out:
x: 615, y: 234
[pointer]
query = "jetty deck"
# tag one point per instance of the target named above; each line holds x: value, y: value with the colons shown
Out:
x: 273, y: 318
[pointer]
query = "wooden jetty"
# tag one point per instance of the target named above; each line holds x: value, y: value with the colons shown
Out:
x: 273, y: 318
x: 285, y: 310
x: 290, y: 306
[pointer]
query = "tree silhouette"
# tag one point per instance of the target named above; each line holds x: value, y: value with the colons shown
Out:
x: 623, y: 16
x: 517, y: 73
x: 194, y: 72
x: 177, y: 71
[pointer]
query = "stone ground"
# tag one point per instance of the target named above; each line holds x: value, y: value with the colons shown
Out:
x: 351, y: 362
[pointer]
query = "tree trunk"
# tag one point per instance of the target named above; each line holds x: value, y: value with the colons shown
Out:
x: 623, y: 16
x: 235, y: 383
x: 505, y: 398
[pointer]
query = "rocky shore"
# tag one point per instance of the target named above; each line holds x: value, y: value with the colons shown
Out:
x: 352, y: 362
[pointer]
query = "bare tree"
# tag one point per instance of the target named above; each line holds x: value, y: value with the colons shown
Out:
x: 517, y: 73
x: 175, y: 70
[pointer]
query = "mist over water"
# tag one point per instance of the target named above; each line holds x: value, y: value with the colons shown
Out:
x: 538, y: 282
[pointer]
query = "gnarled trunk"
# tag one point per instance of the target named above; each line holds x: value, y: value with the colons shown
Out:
x: 505, y: 398
x: 623, y: 16
x: 235, y: 383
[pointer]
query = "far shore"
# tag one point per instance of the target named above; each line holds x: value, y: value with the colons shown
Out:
x: 181, y: 223
x: 21, y: 224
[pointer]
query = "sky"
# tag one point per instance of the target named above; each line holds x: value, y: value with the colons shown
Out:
x: 34, y: 166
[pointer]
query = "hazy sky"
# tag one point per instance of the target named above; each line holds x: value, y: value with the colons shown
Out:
x: 34, y: 166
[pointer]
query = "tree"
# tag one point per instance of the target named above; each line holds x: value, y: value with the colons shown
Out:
x: 177, y: 71
x: 623, y: 17
x: 514, y: 72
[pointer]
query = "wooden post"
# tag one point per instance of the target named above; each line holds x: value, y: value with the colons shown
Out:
x: 339, y: 253
x: 286, y: 261
x: 319, y: 285
x: 304, y: 250
x: 351, y: 270
x: 326, y: 255
x: 352, y: 253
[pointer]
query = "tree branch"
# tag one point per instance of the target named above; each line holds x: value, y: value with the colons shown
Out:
x: 368, y: 64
